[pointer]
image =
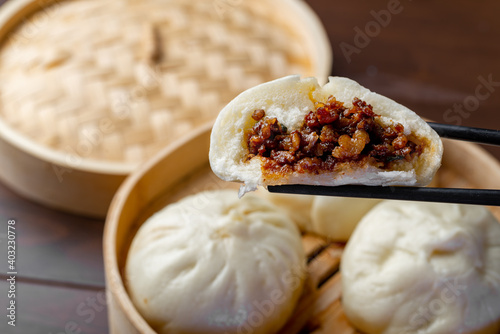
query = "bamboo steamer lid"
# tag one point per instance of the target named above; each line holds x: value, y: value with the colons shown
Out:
x: 91, y: 89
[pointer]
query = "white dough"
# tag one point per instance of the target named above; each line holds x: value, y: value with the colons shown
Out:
x: 289, y: 99
x: 212, y: 263
x: 337, y: 217
x: 334, y: 218
x: 297, y: 207
x: 423, y: 268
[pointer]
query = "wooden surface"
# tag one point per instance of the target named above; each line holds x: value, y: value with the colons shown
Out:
x: 428, y: 57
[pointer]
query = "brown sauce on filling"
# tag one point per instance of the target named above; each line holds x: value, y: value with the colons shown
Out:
x: 331, y: 134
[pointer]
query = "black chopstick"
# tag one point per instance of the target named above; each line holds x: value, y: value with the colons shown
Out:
x: 477, y: 135
x: 443, y: 195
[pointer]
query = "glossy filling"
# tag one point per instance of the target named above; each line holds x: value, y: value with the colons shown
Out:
x: 331, y: 135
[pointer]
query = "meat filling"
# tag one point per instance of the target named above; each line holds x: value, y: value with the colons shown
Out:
x: 331, y: 134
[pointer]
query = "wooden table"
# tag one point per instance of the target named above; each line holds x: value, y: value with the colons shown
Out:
x: 439, y: 58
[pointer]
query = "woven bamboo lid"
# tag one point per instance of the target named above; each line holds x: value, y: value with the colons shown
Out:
x: 90, y: 89
x: 116, y: 80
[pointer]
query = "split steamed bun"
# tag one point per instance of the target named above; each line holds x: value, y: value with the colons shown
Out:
x: 212, y: 263
x: 289, y: 100
x: 423, y: 268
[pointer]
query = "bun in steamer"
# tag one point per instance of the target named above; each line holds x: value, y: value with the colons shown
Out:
x: 331, y: 217
x: 296, y: 207
x: 212, y: 263
x: 337, y: 217
x: 423, y: 268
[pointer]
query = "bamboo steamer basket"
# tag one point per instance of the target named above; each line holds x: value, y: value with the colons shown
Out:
x: 91, y: 89
x: 183, y: 169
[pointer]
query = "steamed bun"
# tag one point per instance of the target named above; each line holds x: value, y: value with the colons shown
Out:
x: 296, y: 157
x: 212, y: 263
x: 423, y: 268
x: 297, y: 207
x: 336, y: 217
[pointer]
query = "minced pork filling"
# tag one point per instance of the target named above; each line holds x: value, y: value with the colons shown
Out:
x: 331, y: 134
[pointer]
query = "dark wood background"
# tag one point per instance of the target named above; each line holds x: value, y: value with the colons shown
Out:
x: 428, y: 55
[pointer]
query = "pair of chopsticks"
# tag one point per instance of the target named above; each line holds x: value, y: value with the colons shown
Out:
x: 428, y: 194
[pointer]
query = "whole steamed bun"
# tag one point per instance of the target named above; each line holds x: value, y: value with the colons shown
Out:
x: 423, y: 268
x: 212, y: 263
